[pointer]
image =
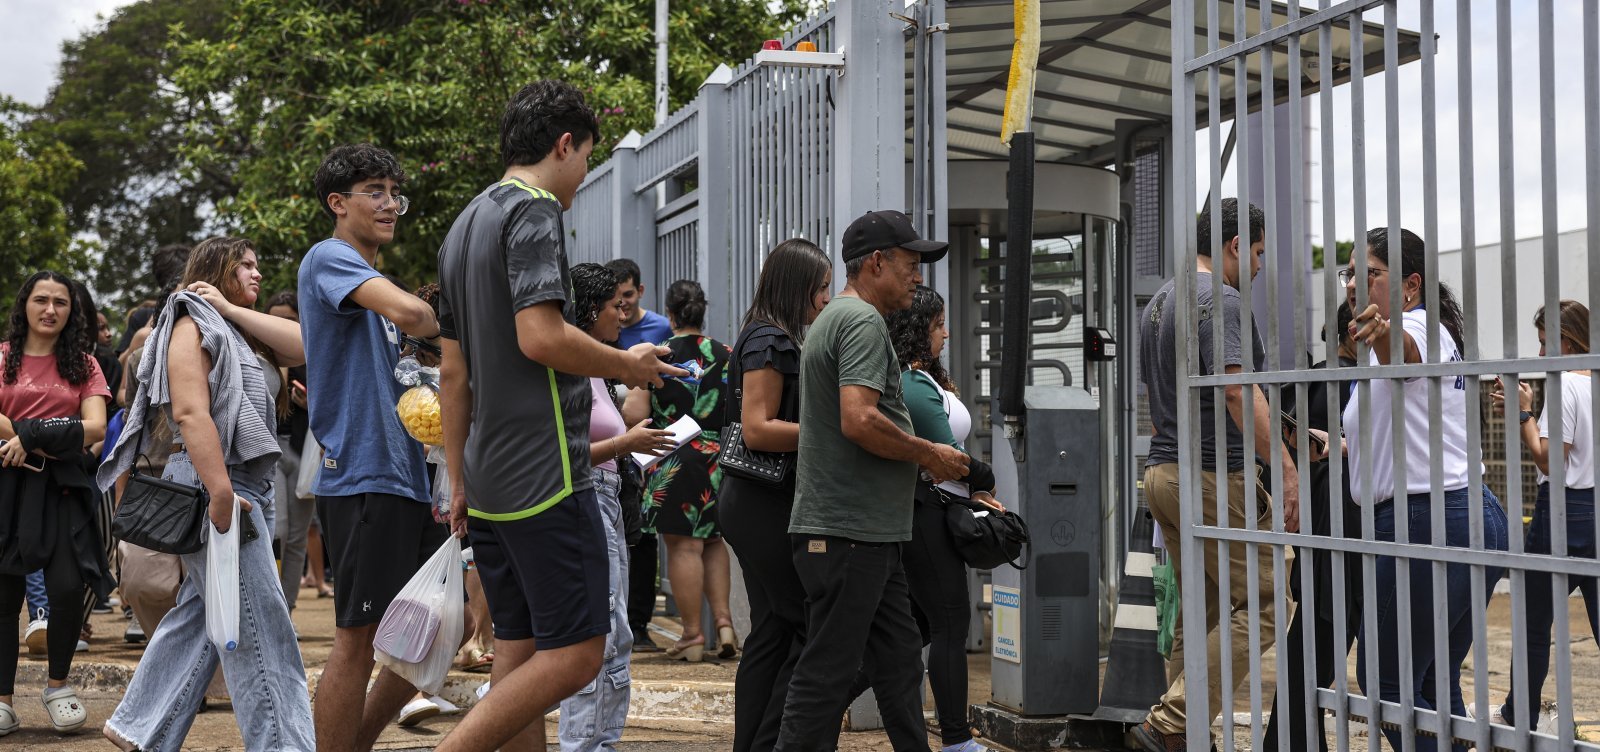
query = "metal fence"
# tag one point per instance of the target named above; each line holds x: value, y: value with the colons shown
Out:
x: 745, y: 165
x: 1415, y: 637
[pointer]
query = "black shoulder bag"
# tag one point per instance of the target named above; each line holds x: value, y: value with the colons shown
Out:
x: 740, y: 461
x: 161, y: 515
x: 984, y: 541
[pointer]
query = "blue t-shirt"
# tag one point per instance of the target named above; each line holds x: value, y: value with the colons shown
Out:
x: 652, y: 327
x: 351, y: 353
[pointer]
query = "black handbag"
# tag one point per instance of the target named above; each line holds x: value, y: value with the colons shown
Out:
x: 162, y: 515
x: 987, y: 541
x: 740, y: 461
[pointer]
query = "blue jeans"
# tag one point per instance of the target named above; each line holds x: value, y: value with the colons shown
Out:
x: 1458, y: 599
x: 1541, y: 609
x: 266, y: 676
x: 593, y: 718
x: 38, y: 602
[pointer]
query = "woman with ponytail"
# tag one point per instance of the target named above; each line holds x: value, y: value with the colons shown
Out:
x: 680, y: 495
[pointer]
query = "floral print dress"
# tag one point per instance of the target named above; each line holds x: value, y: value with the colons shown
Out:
x: 680, y: 493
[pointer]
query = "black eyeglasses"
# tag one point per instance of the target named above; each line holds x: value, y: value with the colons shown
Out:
x: 381, y: 200
x: 1347, y: 274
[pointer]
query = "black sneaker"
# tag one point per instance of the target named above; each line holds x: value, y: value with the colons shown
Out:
x: 642, y: 642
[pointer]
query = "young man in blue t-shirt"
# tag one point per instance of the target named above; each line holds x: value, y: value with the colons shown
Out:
x: 638, y: 324
x: 372, y: 494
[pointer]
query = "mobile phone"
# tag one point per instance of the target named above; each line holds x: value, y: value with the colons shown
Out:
x: 298, y: 385
x: 33, y: 462
x: 247, y: 530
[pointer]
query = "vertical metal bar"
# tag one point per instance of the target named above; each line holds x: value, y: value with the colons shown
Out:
x: 1430, y: 232
x: 1332, y: 296
x: 1397, y: 398
x: 1358, y: 205
x: 1183, y: 137
x: 1281, y: 604
x: 1269, y: 193
x: 1221, y: 442
x: 1554, y: 397
x: 1469, y: 309
x: 1591, y: 98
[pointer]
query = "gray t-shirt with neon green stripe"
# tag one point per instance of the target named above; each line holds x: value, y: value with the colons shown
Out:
x: 528, y: 447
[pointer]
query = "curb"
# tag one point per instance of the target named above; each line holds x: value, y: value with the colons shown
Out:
x: 661, y: 703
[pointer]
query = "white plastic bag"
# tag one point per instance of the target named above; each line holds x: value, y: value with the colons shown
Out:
x: 222, y: 584
x: 421, y: 630
x: 310, y: 463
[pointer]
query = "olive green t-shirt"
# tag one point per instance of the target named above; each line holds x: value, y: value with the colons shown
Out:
x: 842, y: 489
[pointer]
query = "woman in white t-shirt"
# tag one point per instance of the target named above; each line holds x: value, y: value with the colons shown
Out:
x: 1577, y: 438
x: 1372, y: 479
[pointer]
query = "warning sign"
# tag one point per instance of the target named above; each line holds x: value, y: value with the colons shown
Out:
x: 1007, y: 614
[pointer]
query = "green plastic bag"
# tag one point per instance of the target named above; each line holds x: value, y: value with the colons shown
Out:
x: 1168, y: 603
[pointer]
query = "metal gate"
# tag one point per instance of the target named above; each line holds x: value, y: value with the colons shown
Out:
x: 1249, y: 62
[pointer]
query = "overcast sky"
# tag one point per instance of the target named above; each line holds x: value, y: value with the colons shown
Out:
x: 31, y: 33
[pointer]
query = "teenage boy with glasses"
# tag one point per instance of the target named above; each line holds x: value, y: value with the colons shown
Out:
x: 372, y: 493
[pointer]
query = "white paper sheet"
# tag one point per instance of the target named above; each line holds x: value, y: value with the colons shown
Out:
x: 682, y: 432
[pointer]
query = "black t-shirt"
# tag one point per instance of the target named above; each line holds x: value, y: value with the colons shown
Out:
x: 762, y: 345
x: 528, y: 447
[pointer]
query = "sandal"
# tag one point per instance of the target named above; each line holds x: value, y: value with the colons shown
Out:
x: 66, y: 711
x: 727, y: 642
x: 692, y: 652
x: 8, y: 719
x: 478, y: 661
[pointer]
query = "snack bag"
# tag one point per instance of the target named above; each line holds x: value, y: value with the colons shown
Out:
x: 419, y: 406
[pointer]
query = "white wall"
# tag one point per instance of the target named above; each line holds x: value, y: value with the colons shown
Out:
x: 1500, y: 307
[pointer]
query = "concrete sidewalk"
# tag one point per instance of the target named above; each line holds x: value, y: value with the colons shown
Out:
x: 686, y: 706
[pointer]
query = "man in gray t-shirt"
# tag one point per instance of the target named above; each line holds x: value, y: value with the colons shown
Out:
x: 1163, y: 730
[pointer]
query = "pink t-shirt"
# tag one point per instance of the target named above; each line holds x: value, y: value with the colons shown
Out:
x: 40, y: 392
x: 605, y: 422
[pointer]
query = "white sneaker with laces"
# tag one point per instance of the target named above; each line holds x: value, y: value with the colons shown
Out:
x: 38, y: 634
x: 135, y: 632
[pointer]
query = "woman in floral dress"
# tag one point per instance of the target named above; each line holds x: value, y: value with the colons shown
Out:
x: 680, y: 498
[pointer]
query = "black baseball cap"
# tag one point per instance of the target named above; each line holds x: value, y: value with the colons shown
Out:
x: 878, y: 230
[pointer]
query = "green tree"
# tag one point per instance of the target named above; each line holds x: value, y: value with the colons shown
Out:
x: 34, y: 175
x: 1341, y: 251
x: 283, y: 81
x: 116, y: 109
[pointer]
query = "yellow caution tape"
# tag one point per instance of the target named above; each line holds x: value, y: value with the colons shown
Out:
x: 1024, y: 62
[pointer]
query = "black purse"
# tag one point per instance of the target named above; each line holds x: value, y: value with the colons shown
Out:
x: 740, y: 461
x: 988, y: 541
x: 162, y: 515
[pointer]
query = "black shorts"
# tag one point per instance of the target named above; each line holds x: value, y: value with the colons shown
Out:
x: 376, y: 542
x: 545, y: 575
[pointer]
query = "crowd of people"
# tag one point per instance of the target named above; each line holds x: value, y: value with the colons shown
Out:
x: 1368, y: 481
x: 280, y: 411
x: 559, y: 468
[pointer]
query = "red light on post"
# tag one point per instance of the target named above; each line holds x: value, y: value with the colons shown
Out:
x: 771, y: 44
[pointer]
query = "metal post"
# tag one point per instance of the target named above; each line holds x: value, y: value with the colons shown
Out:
x: 712, y: 261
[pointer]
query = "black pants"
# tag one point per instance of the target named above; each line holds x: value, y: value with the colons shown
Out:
x: 1326, y: 653
x: 64, y: 587
x: 755, y: 522
x: 938, y: 580
x: 858, y: 619
x: 642, y: 565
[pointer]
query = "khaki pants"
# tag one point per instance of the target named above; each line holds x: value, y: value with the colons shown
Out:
x: 149, y: 585
x: 1161, y: 491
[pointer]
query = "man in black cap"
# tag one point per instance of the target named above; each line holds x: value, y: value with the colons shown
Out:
x: 856, y: 475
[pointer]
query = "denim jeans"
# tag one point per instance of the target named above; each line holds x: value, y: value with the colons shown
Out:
x: 38, y: 602
x: 1458, y: 599
x: 593, y: 718
x: 266, y: 676
x: 1541, y: 607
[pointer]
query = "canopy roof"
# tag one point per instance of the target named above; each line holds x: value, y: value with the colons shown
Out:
x: 1101, y: 61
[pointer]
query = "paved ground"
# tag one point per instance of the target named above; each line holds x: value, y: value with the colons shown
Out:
x: 677, y: 706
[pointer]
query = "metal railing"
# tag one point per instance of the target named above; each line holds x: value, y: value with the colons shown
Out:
x: 1427, y: 613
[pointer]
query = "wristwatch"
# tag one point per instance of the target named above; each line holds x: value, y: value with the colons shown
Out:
x: 1524, y: 417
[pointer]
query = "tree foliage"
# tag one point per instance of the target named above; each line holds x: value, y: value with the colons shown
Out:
x: 286, y: 80
x: 192, y: 117
x: 34, y: 174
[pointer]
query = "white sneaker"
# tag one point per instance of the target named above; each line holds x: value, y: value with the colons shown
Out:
x: 417, y: 711
x: 38, y: 635
x: 83, y: 646
x: 446, y: 707
x: 483, y: 690
x: 135, y: 632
